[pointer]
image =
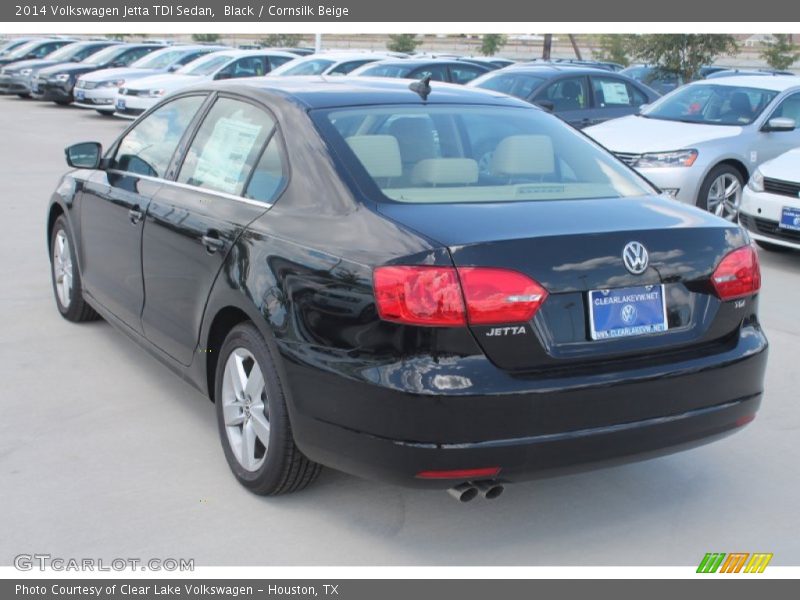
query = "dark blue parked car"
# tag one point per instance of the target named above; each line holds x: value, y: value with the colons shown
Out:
x: 581, y: 96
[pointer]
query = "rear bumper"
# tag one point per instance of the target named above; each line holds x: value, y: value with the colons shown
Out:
x: 533, y: 428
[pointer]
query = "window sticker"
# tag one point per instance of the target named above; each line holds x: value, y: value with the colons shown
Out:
x: 222, y: 162
x: 615, y: 92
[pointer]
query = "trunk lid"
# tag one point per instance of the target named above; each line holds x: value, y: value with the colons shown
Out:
x: 575, y: 247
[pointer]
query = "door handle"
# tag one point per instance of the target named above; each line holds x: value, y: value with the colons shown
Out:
x: 135, y: 215
x: 212, y: 242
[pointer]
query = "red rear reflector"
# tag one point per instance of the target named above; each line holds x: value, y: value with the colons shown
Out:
x: 419, y: 296
x: 496, y: 296
x: 738, y: 274
x: 460, y: 473
x: 744, y: 420
x: 435, y: 296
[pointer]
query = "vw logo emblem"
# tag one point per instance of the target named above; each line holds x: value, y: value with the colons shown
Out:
x: 629, y: 313
x: 635, y: 257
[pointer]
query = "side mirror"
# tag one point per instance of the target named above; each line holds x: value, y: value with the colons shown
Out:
x: 174, y: 68
x: 85, y: 155
x: 780, y: 124
x: 642, y: 108
x: 546, y: 104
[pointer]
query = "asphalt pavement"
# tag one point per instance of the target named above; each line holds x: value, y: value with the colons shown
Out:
x: 105, y: 453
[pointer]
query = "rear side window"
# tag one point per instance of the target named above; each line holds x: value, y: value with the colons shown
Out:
x: 269, y: 175
x: 226, y: 147
x: 148, y: 148
x: 464, y: 73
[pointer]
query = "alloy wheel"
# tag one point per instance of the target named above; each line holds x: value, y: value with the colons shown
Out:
x: 724, y: 196
x: 245, y: 409
x: 62, y: 268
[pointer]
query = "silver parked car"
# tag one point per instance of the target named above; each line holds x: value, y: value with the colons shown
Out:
x: 701, y: 142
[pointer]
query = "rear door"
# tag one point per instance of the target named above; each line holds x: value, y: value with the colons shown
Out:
x: 231, y: 172
x: 114, y: 202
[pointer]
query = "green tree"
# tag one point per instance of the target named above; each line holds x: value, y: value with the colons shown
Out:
x: 281, y: 40
x: 491, y: 43
x: 403, y: 42
x: 206, y: 37
x: 781, y: 53
x: 613, y: 47
x: 681, y: 53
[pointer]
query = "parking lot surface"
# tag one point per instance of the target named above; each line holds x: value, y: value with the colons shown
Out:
x: 105, y: 453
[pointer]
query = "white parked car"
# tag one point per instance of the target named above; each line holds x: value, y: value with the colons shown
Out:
x: 137, y: 96
x: 98, y: 90
x: 701, y: 142
x: 328, y: 63
x: 770, y: 208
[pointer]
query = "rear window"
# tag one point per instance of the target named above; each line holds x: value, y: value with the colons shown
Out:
x: 460, y: 153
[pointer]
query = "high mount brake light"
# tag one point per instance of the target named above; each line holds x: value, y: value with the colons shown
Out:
x: 450, y: 297
x: 738, y: 274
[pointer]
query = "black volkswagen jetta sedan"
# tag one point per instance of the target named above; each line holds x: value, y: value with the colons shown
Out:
x: 428, y: 285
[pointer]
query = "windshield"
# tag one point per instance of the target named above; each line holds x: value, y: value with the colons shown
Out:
x: 22, y: 50
x: 386, y: 70
x: 9, y: 46
x: 205, y: 66
x: 161, y: 59
x: 459, y: 153
x: 712, y: 105
x: 306, y: 67
x: 67, y: 53
x: 105, y: 55
x: 521, y: 85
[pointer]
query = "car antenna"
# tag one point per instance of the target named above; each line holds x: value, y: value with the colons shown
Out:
x: 422, y: 87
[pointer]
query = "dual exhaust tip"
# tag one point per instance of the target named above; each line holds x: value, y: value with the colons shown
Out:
x: 465, y: 492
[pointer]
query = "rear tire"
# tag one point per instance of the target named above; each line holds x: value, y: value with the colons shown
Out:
x: 721, y: 192
x: 24, y: 96
x: 773, y: 247
x: 67, y: 285
x: 62, y: 102
x: 253, y: 420
x: 106, y: 113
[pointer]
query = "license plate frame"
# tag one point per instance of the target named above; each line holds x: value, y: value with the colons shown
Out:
x: 627, y: 312
x: 80, y: 95
x: 790, y: 218
x: 120, y: 104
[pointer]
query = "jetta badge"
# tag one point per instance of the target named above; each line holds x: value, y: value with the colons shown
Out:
x: 635, y: 257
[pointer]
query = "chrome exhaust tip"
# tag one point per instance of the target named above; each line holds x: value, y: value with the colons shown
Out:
x: 463, y: 492
x: 490, y: 489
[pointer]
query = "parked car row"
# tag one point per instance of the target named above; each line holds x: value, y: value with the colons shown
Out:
x: 700, y: 144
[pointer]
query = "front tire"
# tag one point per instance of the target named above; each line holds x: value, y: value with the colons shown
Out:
x: 253, y: 420
x: 67, y: 285
x: 721, y: 192
x: 106, y: 113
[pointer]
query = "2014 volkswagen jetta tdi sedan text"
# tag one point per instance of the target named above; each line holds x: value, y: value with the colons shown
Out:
x: 445, y: 287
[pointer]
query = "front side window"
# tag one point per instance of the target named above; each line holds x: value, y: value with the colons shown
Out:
x: 133, y: 55
x: 205, y: 65
x: 314, y: 66
x: 351, y: 65
x: 443, y: 153
x: 435, y: 72
x: 610, y: 92
x: 148, y: 148
x: 789, y: 108
x: 386, y: 70
x: 276, y: 61
x: 227, y: 146
x: 566, y: 94
x: 712, y: 104
x: 251, y: 66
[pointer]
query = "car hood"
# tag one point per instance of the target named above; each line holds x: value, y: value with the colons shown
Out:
x: 116, y: 73
x: 165, y: 82
x: 72, y: 68
x: 785, y: 167
x: 638, y: 134
x: 35, y: 63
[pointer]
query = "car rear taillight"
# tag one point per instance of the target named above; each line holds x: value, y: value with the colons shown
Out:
x: 419, y: 296
x: 497, y: 296
x: 449, y: 297
x: 738, y: 274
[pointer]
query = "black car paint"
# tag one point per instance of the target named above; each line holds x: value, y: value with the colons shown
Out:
x: 385, y: 400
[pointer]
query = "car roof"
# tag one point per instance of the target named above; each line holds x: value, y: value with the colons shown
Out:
x: 334, y: 92
x: 419, y: 62
x: 766, y: 82
x: 341, y: 56
x: 570, y: 69
x: 241, y: 53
